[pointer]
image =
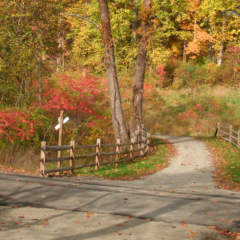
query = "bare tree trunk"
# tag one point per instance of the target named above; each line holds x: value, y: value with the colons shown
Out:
x: 136, y: 121
x: 184, y: 51
x: 40, y: 80
x: 115, y: 98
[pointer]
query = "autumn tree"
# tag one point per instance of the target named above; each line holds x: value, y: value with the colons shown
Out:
x: 144, y: 18
x: 114, y: 94
x: 29, y: 42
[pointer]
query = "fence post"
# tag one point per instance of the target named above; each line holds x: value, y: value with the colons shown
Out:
x: 148, y: 142
x: 217, y: 130
x: 71, y: 161
x: 142, y: 147
x: 239, y: 138
x: 230, y: 133
x: 60, y: 137
x: 117, y: 152
x: 138, y: 136
x: 42, y: 158
x: 97, y: 153
x: 131, y: 149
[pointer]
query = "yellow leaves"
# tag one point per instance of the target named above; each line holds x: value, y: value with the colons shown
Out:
x: 203, y: 36
x: 193, y: 48
x: 200, y: 37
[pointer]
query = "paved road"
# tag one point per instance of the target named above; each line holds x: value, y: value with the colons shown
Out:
x: 180, y: 202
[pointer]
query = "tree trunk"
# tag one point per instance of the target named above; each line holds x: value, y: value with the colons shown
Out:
x: 40, y: 80
x: 115, y: 98
x: 184, y: 51
x: 136, y: 121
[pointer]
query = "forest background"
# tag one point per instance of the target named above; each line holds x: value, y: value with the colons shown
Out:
x: 52, y: 58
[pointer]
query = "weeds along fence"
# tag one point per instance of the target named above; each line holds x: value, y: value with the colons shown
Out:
x: 228, y: 133
x: 75, y: 156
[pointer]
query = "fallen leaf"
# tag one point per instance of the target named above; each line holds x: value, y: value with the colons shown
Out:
x: 191, y: 234
x: 78, y: 222
x: 238, y: 236
x: 44, y: 222
x: 15, y: 206
x: 183, y: 223
x: 208, y: 213
x: 226, y: 221
x: 89, y: 214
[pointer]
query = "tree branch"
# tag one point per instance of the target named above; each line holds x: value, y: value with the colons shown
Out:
x: 81, y: 17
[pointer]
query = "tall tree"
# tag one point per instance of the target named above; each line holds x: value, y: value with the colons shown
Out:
x: 115, y: 98
x: 144, y: 17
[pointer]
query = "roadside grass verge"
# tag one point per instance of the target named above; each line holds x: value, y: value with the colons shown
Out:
x: 134, y: 170
x: 227, y: 163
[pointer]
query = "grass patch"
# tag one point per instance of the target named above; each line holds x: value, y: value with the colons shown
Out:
x: 133, y: 170
x: 227, y: 163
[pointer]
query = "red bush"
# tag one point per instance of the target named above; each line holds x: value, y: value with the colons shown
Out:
x: 71, y: 94
x: 16, y: 124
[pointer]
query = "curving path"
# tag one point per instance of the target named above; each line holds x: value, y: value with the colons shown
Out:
x: 180, y: 202
x: 190, y: 170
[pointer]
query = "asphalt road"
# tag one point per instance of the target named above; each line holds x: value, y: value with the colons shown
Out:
x: 82, y: 208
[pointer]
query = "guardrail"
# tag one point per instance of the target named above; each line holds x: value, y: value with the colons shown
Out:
x: 228, y: 133
x: 122, y: 152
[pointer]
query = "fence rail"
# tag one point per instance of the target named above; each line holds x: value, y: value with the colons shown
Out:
x: 123, y: 152
x: 228, y: 133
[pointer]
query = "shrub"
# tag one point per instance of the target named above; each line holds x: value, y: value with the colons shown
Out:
x: 229, y: 72
x: 71, y: 94
x: 194, y: 75
x: 21, y: 125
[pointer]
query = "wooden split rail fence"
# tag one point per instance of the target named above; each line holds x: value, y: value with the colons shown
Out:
x: 229, y: 134
x: 72, y: 160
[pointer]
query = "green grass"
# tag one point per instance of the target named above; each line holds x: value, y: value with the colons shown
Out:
x: 131, y: 170
x: 228, y: 159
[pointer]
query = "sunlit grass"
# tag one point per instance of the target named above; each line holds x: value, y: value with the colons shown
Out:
x: 132, y: 170
x: 227, y: 159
